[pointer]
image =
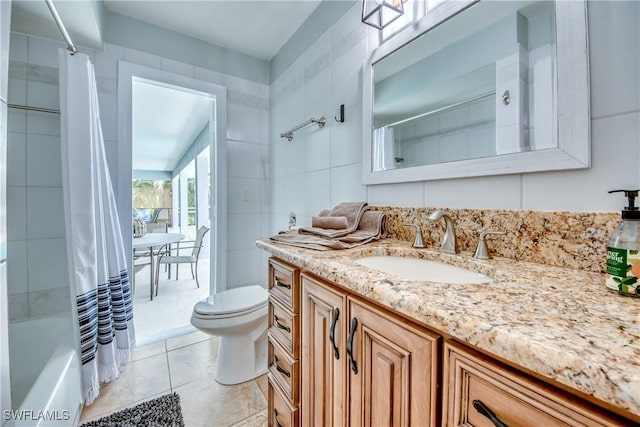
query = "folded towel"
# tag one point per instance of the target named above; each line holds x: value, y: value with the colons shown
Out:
x: 309, y: 241
x: 372, y: 226
x: 373, y: 223
x: 332, y: 222
x: 352, y: 211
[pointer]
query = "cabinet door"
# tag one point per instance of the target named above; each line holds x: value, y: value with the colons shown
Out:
x: 323, y: 355
x: 393, y: 371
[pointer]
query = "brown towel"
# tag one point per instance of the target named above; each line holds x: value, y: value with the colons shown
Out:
x: 372, y: 226
x: 309, y: 241
x: 332, y: 222
x: 353, y: 211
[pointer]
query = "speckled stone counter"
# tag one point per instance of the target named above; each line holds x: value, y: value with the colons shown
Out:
x: 575, y: 240
x: 562, y: 324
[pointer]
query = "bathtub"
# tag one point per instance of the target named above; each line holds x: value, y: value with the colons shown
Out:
x: 45, y: 373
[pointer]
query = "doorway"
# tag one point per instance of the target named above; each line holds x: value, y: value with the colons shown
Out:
x: 173, y: 136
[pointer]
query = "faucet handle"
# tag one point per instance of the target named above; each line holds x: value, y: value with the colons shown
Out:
x: 482, y: 251
x: 418, y: 242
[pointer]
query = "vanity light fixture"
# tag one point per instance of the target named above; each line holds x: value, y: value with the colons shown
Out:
x: 380, y: 13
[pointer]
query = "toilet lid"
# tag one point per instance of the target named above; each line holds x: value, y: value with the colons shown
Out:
x: 237, y: 300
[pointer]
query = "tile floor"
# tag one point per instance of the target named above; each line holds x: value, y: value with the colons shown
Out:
x: 185, y: 365
x: 169, y: 313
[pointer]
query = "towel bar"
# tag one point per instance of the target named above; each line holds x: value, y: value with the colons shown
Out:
x: 289, y: 134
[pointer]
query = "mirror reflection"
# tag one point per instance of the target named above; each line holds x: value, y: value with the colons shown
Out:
x: 480, y: 85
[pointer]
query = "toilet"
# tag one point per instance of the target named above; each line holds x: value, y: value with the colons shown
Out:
x: 239, y: 317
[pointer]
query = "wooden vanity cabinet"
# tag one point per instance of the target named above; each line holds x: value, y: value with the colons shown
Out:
x: 479, y: 392
x: 284, y: 344
x: 338, y: 360
x: 362, y: 366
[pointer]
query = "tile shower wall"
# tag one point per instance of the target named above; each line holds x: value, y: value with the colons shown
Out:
x: 462, y: 133
x: 37, y: 262
x: 322, y: 167
x: 36, y: 237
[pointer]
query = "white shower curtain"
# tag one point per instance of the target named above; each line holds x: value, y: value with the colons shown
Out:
x: 383, y: 155
x: 97, y: 264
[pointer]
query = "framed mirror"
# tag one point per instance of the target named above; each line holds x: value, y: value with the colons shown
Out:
x: 479, y: 88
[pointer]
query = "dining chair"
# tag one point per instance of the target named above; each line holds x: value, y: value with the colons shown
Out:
x: 157, y: 227
x: 141, y: 258
x: 160, y: 227
x: 170, y: 255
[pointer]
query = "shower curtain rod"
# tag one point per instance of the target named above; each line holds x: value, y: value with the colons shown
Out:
x: 442, y: 109
x: 70, y: 46
x: 28, y: 108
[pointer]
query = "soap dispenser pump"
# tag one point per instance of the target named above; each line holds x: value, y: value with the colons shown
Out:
x: 623, y: 249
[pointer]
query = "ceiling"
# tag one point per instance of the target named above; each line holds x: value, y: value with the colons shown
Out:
x: 167, y: 121
x: 82, y: 20
x: 256, y: 28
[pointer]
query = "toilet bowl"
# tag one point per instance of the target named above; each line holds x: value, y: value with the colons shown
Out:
x: 239, y: 317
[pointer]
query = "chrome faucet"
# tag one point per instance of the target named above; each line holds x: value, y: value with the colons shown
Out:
x: 449, y: 240
x: 482, y: 251
x: 418, y: 241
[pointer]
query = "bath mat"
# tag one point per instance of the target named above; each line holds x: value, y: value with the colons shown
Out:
x: 163, y: 411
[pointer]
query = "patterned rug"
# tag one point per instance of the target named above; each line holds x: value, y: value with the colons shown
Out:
x: 163, y: 411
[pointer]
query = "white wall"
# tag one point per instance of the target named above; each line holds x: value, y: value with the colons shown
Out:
x: 321, y: 168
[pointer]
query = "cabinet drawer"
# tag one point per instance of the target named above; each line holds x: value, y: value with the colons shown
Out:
x: 283, y: 326
x: 281, y: 413
x: 284, y: 284
x: 284, y: 371
x: 472, y: 381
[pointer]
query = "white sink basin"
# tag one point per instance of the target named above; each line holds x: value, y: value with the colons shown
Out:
x: 422, y: 269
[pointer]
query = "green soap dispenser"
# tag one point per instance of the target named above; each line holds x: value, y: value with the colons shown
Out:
x: 623, y: 250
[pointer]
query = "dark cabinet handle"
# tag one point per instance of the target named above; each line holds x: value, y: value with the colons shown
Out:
x: 482, y: 408
x: 282, y: 285
x: 332, y: 333
x: 275, y: 418
x: 352, y: 359
x: 279, y: 369
x: 280, y: 325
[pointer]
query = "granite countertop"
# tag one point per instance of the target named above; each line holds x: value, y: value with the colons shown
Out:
x: 562, y: 324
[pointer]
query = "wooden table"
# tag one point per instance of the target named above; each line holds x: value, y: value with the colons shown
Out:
x: 153, y: 242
